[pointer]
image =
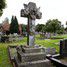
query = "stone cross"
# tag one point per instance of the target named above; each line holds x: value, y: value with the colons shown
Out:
x: 31, y: 12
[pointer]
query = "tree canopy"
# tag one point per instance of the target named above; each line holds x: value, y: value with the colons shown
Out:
x: 39, y: 27
x: 61, y: 30
x: 24, y: 28
x: 53, y: 25
x: 2, y: 6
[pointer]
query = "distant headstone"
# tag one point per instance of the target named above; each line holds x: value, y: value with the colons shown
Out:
x: 51, y: 51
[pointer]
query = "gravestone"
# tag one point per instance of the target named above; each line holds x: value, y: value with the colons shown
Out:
x: 31, y: 56
x: 31, y: 12
x: 63, y: 48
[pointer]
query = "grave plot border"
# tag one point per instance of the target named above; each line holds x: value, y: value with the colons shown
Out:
x: 11, y: 60
x: 55, y: 60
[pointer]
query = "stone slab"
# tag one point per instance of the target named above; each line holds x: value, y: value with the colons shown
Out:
x: 39, y: 63
x: 32, y: 50
x: 25, y: 57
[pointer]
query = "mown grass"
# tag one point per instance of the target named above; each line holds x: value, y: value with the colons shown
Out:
x: 4, y: 58
x: 48, y: 42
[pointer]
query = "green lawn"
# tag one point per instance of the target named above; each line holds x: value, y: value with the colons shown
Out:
x: 4, y: 59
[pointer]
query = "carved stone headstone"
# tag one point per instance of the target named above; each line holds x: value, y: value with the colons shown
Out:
x: 31, y: 12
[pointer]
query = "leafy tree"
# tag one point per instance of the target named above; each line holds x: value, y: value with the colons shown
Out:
x: 43, y: 30
x: 14, y: 27
x: 53, y: 25
x: 2, y: 6
x: 24, y: 28
x: 61, y: 30
x: 39, y: 27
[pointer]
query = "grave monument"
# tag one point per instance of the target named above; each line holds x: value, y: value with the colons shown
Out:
x: 27, y: 56
x: 63, y: 48
x: 31, y: 12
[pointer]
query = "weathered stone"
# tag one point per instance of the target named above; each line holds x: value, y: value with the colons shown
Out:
x: 50, y: 51
x: 53, y: 51
x: 32, y: 50
x: 31, y: 12
x: 47, y: 50
x: 39, y: 63
x: 27, y: 57
x: 32, y: 57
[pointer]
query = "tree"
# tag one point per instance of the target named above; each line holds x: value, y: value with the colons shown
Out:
x: 43, y: 30
x: 61, y: 30
x: 6, y: 26
x: 24, y: 29
x: 2, y: 6
x: 14, y: 27
x: 53, y: 25
x: 39, y: 27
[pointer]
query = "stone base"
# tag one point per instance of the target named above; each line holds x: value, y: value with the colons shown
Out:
x: 39, y: 63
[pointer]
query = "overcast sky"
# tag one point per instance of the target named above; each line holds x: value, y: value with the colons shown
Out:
x: 51, y: 9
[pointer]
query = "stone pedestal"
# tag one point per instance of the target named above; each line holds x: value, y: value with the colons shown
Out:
x: 32, y: 57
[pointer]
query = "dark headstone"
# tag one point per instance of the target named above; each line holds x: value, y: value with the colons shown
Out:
x: 63, y: 48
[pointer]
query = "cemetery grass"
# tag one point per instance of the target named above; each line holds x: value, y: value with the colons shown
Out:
x: 4, y: 58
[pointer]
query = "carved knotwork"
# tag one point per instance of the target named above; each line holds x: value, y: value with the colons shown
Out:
x: 31, y: 11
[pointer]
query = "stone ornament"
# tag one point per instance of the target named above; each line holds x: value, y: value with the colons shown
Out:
x: 31, y: 12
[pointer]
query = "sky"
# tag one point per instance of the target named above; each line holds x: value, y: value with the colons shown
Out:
x: 51, y: 9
